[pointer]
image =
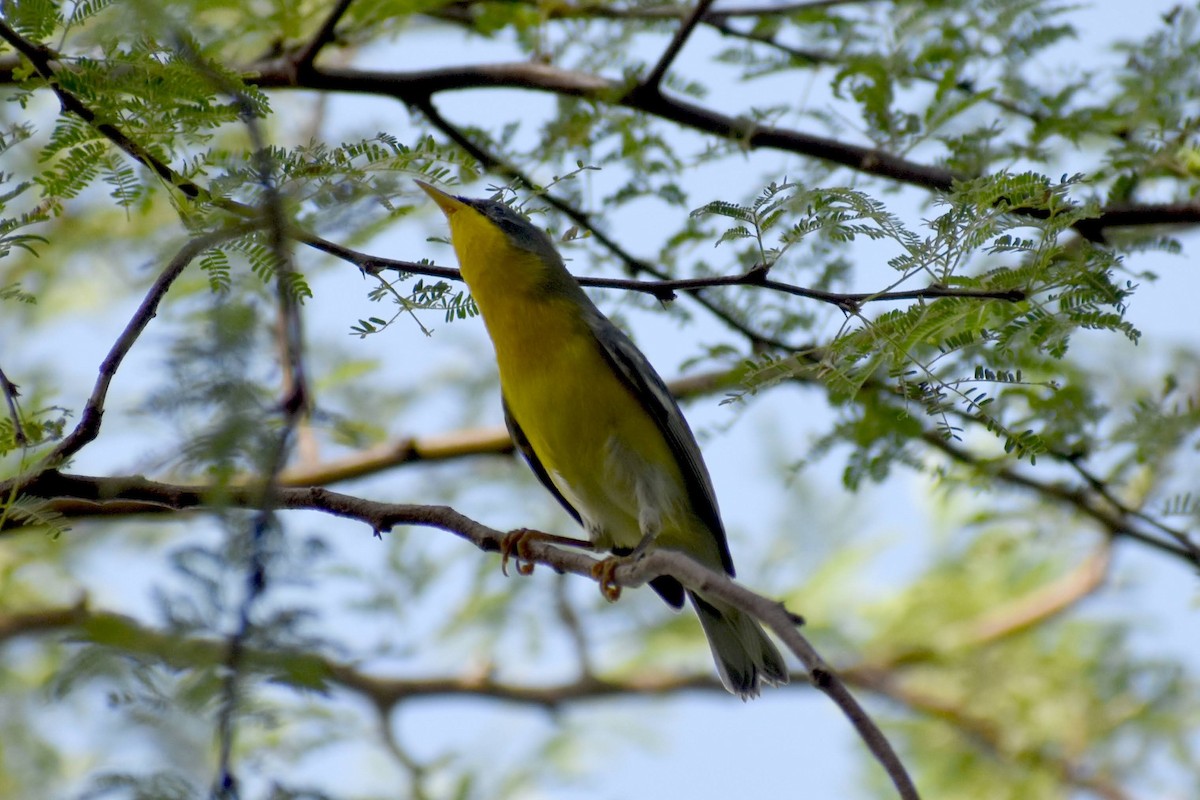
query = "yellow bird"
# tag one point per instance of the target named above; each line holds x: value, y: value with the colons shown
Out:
x: 597, y: 424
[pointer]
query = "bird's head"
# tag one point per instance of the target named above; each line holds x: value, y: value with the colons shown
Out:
x: 495, y: 243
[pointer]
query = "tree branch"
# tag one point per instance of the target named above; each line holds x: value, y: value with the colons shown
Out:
x: 42, y: 58
x: 11, y: 393
x: 653, y: 81
x: 1182, y: 546
x: 382, y: 517
x: 664, y: 289
x: 410, y: 87
x: 93, y: 410
x: 415, y: 87
x: 883, y: 677
x: 1040, y: 605
x: 324, y: 36
x: 1113, y: 522
x: 984, y: 734
x: 460, y: 11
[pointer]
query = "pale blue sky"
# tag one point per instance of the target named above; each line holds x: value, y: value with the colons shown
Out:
x: 698, y: 747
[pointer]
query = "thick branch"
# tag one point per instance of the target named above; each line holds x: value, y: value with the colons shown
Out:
x: 415, y: 86
x: 309, y: 670
x: 313, y: 670
x: 1040, y: 605
x: 408, y: 450
x: 462, y: 443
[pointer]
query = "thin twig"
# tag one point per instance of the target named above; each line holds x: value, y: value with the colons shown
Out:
x: 775, y: 616
x: 1105, y: 491
x: 633, y: 264
x: 459, y: 12
x: 754, y: 278
x: 573, y: 625
x: 653, y: 81
x: 416, y: 770
x: 11, y: 393
x: 324, y: 36
x: 41, y: 57
x: 664, y: 289
x: 1114, y: 524
x: 93, y: 410
x: 818, y: 57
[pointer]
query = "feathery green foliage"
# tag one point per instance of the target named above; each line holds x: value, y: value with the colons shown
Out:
x: 922, y: 246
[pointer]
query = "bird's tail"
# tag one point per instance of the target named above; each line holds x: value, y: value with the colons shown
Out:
x: 745, y: 656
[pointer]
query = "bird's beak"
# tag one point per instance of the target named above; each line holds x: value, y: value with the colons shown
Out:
x: 447, y: 202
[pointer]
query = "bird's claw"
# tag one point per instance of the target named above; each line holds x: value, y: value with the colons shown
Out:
x: 604, y: 571
x: 518, y: 542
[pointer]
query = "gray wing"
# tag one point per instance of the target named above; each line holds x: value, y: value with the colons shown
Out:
x: 639, y: 375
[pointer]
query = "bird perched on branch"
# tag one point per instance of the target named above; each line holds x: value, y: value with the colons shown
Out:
x: 597, y: 424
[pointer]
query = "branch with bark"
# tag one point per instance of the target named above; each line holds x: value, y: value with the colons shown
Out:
x: 382, y: 517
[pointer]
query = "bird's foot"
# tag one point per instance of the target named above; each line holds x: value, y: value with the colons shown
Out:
x: 517, y: 543
x: 604, y: 571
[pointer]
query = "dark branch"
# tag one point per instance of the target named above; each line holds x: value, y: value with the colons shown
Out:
x: 11, y: 393
x: 417, y: 87
x: 93, y: 410
x: 324, y: 36
x: 879, y: 676
x: 1114, y: 521
x: 665, y: 289
x: 633, y: 264
x: 460, y: 11
x: 412, y: 87
x: 653, y: 81
x: 41, y: 58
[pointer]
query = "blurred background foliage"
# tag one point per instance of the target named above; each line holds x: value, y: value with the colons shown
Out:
x: 939, y: 345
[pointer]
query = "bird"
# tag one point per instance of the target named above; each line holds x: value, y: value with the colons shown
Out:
x: 597, y: 425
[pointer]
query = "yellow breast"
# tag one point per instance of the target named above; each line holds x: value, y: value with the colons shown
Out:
x: 603, y: 451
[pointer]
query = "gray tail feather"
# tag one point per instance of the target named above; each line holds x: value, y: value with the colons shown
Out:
x: 745, y: 657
